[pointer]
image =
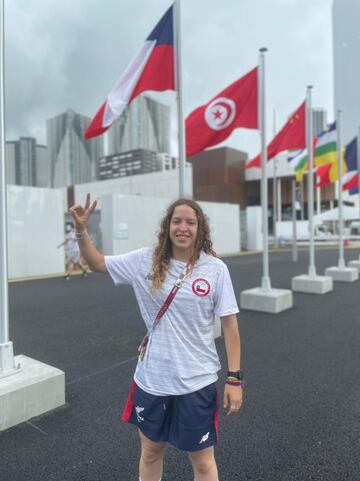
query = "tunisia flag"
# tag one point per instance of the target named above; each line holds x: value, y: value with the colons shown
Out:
x: 234, y: 107
x: 291, y: 137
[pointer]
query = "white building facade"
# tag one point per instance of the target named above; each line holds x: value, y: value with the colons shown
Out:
x: 346, y: 40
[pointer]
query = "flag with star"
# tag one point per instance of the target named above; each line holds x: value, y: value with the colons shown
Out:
x: 234, y: 107
x: 291, y: 137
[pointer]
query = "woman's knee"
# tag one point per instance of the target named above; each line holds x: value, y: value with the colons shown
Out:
x: 203, y: 462
x: 151, y: 452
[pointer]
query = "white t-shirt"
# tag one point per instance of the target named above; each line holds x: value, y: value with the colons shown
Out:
x: 72, y: 244
x: 182, y: 357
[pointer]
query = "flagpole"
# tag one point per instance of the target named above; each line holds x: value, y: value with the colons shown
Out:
x: 179, y: 89
x: 309, y: 143
x: 302, y: 198
x: 7, y: 362
x: 341, y: 263
x: 265, y: 281
x: 294, y: 249
x: 275, y: 190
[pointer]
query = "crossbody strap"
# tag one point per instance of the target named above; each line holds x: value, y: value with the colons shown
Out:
x: 171, y: 295
x: 144, y: 343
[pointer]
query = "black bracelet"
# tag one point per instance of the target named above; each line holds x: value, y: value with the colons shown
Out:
x: 237, y: 374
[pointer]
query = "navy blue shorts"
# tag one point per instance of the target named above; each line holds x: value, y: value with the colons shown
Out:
x: 188, y: 422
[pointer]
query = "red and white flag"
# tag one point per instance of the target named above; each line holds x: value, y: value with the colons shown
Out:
x: 151, y: 69
x: 234, y: 107
x: 350, y: 180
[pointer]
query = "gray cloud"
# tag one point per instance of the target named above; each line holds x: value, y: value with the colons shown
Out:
x: 69, y: 54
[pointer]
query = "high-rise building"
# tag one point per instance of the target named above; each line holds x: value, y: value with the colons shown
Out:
x: 27, y: 163
x: 145, y: 124
x: 10, y: 162
x: 73, y: 160
x: 346, y: 43
x: 42, y: 166
x: 319, y: 121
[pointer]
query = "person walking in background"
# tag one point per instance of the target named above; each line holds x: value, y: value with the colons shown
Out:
x: 180, y: 286
x: 72, y: 253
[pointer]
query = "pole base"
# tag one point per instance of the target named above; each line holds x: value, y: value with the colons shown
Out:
x: 37, y: 389
x: 355, y: 264
x: 272, y: 300
x: 347, y: 274
x: 7, y: 360
x: 312, y: 284
x: 265, y: 283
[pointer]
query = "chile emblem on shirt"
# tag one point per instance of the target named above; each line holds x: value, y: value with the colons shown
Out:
x: 201, y: 287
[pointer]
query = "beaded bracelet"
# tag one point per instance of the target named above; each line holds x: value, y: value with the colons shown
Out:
x: 233, y: 381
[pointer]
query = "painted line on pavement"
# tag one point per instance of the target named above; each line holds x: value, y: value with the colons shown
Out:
x: 100, y: 371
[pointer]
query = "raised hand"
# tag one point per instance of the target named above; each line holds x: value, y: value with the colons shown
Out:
x: 81, y: 215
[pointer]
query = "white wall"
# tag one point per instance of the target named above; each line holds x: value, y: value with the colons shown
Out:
x: 35, y: 228
x: 285, y: 230
x: 254, y: 228
x: 224, y: 225
x: 131, y: 222
x: 156, y: 184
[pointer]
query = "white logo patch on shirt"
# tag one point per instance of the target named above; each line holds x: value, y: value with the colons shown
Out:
x: 204, y: 438
x: 201, y: 287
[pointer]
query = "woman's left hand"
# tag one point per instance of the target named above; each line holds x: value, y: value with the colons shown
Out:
x: 232, y: 398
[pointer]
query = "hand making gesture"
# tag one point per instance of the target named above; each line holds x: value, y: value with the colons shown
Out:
x: 81, y: 215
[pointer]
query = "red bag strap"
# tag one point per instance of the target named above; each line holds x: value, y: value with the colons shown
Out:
x: 172, y: 295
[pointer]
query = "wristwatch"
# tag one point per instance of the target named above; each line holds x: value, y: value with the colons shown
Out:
x: 237, y: 374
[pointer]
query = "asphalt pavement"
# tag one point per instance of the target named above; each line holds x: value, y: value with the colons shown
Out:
x: 301, y: 414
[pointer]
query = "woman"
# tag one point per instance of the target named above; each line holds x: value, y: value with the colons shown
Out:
x: 72, y: 253
x: 174, y: 395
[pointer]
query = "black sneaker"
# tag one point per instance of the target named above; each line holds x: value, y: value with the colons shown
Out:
x: 84, y: 274
x: 67, y: 278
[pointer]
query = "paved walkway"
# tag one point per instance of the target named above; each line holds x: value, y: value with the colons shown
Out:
x: 301, y: 415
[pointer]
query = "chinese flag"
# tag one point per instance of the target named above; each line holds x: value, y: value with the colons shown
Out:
x: 291, y: 137
x: 234, y: 107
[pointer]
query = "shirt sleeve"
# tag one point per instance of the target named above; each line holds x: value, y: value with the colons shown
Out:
x: 225, y: 300
x: 124, y: 268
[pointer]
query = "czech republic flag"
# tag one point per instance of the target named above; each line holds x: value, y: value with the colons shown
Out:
x: 151, y: 69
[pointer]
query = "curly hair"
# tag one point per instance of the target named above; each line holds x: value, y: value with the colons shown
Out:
x: 163, y: 249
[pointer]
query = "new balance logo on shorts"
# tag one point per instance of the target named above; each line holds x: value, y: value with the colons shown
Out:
x: 139, y: 410
x: 204, y: 438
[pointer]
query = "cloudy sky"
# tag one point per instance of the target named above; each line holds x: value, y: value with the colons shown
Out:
x: 68, y: 54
